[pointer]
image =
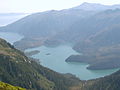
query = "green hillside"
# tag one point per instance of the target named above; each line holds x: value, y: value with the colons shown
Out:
x: 19, y: 70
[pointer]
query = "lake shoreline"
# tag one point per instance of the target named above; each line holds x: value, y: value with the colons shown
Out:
x: 85, y: 65
x: 56, y: 60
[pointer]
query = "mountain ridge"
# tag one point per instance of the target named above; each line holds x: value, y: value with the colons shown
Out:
x: 96, y: 6
x: 19, y: 70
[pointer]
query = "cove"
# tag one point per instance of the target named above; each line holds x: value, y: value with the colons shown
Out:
x: 54, y: 58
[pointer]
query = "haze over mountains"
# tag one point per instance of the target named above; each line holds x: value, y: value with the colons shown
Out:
x: 93, y: 30
x: 8, y: 18
x: 52, y: 21
x: 88, y: 30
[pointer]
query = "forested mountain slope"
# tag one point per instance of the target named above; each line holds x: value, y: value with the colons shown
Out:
x: 19, y: 70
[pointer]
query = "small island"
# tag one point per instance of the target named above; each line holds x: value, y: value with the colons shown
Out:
x: 48, y: 54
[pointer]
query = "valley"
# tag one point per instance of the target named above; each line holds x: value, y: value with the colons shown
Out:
x: 63, y: 52
x: 70, y: 49
x: 16, y: 67
x: 93, y: 35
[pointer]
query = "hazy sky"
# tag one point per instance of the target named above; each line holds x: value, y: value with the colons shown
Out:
x: 43, y: 5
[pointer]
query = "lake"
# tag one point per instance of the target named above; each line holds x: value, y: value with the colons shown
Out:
x: 54, y: 58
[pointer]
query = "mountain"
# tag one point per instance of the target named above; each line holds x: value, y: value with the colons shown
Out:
x: 87, y: 27
x: 96, y: 7
x: 19, y: 70
x: 99, y: 27
x: 102, y: 30
x: 41, y: 26
x: 45, y: 24
x: 5, y: 86
x: 100, y: 45
x: 96, y: 35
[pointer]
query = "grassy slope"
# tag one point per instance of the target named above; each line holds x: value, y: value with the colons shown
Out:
x: 5, y: 86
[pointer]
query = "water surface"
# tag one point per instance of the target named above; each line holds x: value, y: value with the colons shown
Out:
x: 54, y: 58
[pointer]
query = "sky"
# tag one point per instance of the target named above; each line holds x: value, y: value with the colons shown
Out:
x: 30, y: 6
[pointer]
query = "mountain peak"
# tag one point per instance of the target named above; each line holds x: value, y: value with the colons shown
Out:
x: 95, y: 6
x: 87, y: 3
x: 91, y: 6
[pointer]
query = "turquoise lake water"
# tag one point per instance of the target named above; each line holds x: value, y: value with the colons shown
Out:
x: 54, y: 58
